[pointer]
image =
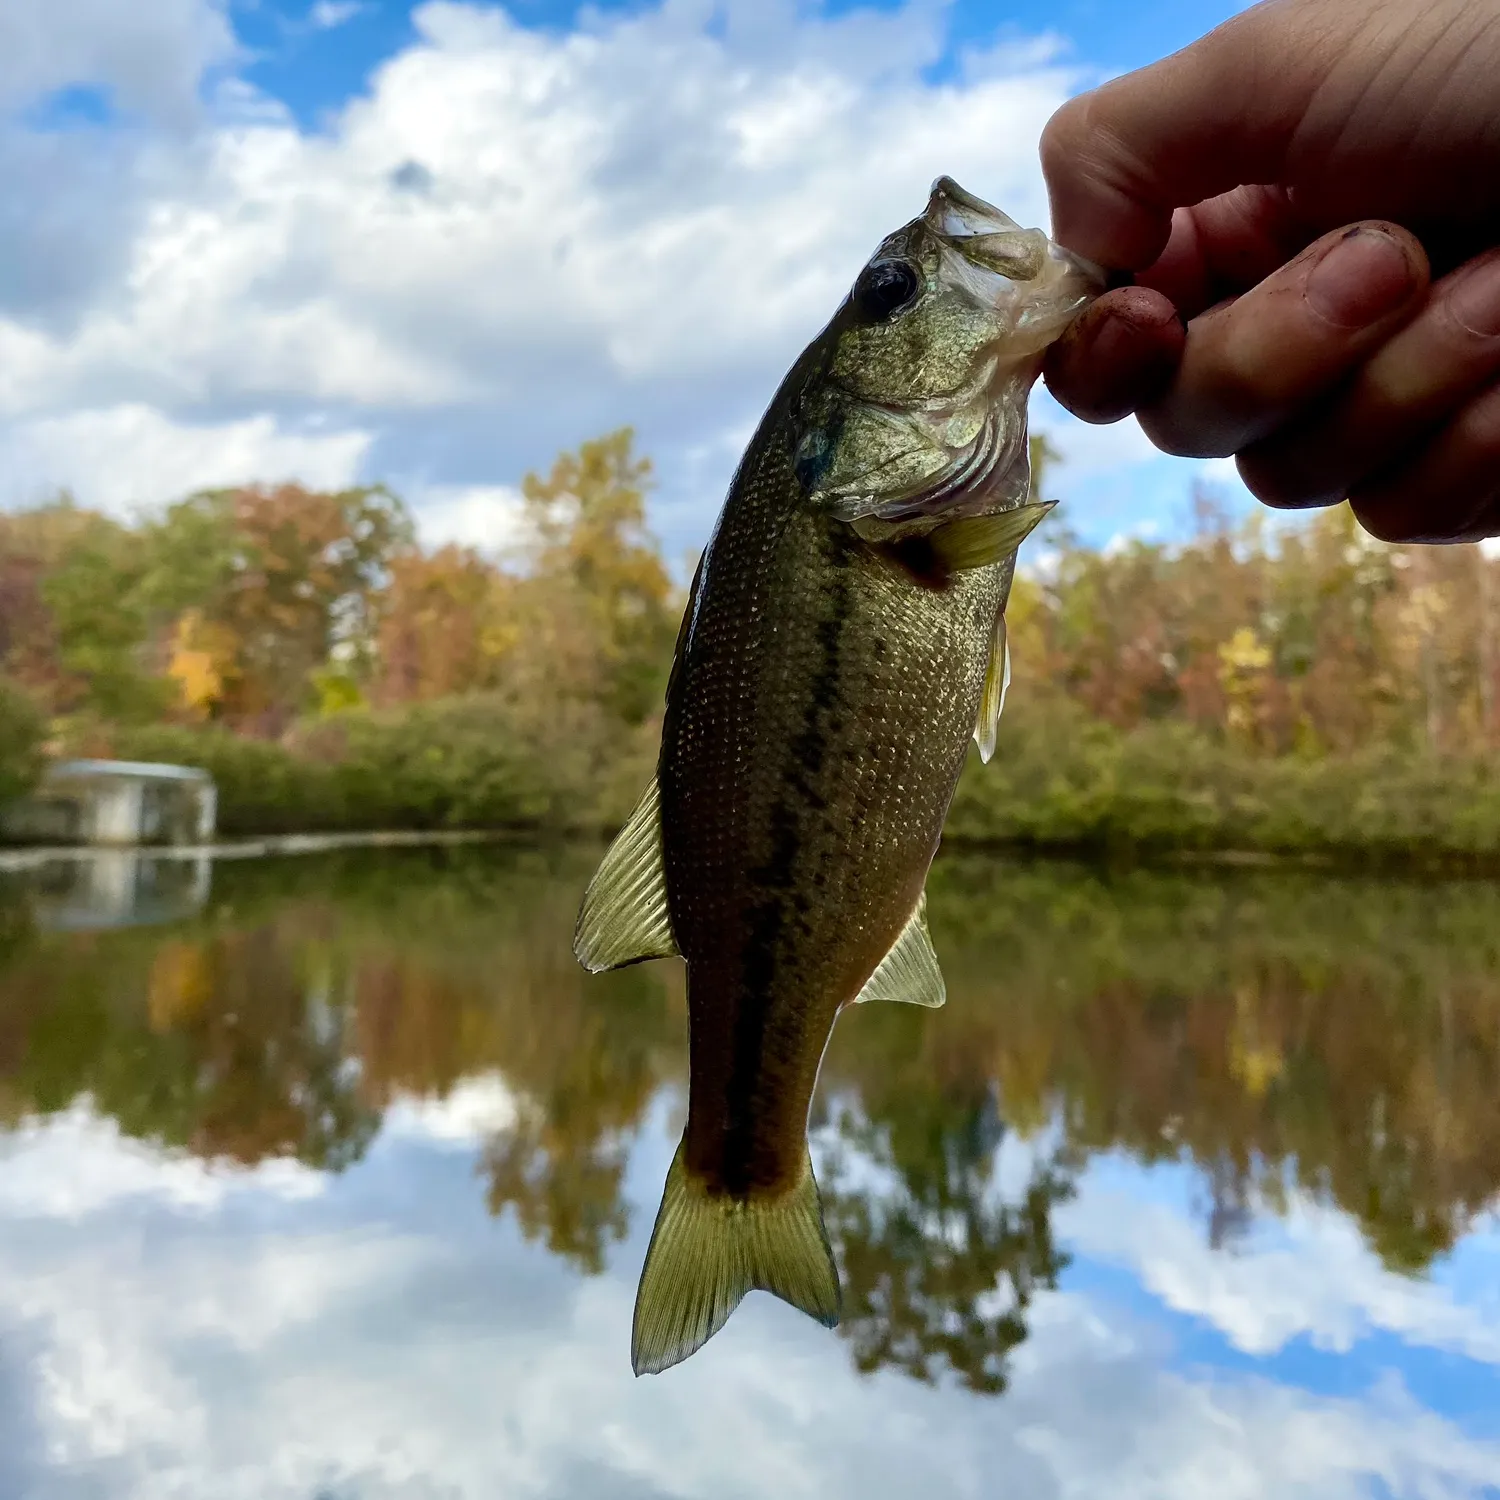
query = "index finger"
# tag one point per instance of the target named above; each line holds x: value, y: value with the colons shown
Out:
x: 1220, y: 113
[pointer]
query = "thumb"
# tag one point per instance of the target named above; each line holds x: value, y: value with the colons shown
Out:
x: 1218, y: 114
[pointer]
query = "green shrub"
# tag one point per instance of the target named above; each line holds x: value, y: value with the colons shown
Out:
x: 262, y: 786
x: 1058, y: 781
x: 474, y: 762
x: 22, y: 731
x: 1063, y: 781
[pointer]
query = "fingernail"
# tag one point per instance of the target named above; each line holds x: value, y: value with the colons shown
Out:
x: 1475, y: 301
x: 1362, y: 277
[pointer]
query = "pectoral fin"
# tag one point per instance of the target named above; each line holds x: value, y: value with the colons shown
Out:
x: 996, y: 682
x: 976, y: 541
x: 624, y: 916
x: 910, y: 970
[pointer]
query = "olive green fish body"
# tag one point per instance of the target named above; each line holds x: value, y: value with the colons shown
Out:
x: 844, y: 639
x: 821, y: 707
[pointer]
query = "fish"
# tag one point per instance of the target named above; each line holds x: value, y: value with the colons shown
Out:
x: 844, y: 639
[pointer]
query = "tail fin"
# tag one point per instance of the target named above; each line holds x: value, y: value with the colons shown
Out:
x: 707, y: 1251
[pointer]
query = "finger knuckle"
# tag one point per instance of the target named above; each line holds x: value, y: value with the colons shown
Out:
x: 1383, y: 520
x: 1283, y: 484
x: 1478, y: 428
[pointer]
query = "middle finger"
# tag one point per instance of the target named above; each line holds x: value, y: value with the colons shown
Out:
x: 1409, y: 387
x: 1250, y: 363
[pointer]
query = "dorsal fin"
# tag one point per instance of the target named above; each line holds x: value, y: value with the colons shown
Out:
x: 624, y: 916
x: 685, y: 625
x: 996, y: 682
x: 910, y: 970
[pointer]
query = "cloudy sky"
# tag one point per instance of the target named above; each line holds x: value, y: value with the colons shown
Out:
x: 433, y: 243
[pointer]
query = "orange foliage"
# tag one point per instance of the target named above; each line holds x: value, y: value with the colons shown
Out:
x: 438, y: 633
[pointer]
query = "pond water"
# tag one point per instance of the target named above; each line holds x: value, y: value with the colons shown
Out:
x: 331, y: 1177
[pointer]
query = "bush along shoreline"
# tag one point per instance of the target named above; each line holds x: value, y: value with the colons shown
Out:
x: 1063, y: 783
x: 469, y: 763
x: 1060, y: 783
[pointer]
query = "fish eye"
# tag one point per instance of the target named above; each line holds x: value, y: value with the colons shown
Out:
x: 883, y: 290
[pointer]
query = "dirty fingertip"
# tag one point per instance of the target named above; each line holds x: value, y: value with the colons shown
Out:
x: 1120, y: 354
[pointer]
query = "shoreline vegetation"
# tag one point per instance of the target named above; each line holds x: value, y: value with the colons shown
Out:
x: 1304, y: 694
x: 1060, y: 784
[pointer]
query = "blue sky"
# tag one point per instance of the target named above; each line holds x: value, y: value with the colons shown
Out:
x: 434, y: 243
x: 314, y: 67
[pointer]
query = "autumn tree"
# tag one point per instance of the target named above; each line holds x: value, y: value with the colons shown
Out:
x: 598, y: 612
x: 21, y: 731
x: 270, y: 587
x: 29, y: 649
x: 1310, y: 638
x: 444, y: 625
x: 75, y: 626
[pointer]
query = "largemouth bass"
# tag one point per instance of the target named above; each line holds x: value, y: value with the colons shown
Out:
x: 844, y: 638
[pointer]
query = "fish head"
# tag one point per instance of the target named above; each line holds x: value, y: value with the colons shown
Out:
x: 918, y: 410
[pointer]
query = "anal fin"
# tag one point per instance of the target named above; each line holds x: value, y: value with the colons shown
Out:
x: 624, y: 916
x: 707, y: 1250
x: 910, y: 970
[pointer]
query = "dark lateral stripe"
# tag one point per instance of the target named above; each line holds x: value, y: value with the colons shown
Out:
x: 808, y: 750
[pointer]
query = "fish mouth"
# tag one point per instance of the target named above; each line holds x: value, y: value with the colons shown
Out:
x: 988, y: 237
x: 953, y: 212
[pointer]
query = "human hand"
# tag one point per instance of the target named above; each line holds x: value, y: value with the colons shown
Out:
x: 1337, y: 155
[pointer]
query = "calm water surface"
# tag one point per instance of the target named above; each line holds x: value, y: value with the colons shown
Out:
x: 331, y: 1178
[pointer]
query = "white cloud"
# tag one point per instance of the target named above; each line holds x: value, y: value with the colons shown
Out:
x: 150, y: 57
x: 76, y: 1163
x: 473, y: 1110
x: 129, y: 456
x: 515, y: 239
x: 327, y: 14
x: 518, y: 238
x: 487, y: 517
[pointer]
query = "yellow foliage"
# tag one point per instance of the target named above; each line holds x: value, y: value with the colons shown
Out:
x: 1243, y: 654
x: 180, y: 985
x: 336, y: 691
x: 1243, y: 665
x: 1256, y: 1062
x: 201, y: 662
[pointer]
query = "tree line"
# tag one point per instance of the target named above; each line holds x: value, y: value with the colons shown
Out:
x: 258, y: 607
x: 308, y: 641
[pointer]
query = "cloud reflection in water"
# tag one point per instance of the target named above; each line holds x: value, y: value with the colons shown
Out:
x: 342, y: 1188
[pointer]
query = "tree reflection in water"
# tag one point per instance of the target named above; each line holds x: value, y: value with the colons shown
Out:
x: 1279, y: 1032
x: 938, y: 1270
